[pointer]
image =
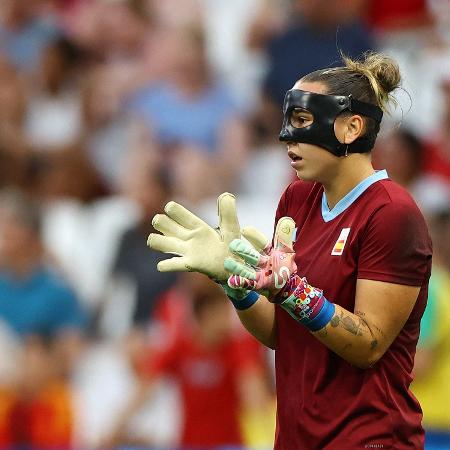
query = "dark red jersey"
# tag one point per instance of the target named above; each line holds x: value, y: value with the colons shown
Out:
x: 324, y: 403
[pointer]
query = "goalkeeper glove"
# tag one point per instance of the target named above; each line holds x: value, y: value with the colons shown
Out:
x: 198, y: 246
x: 273, y: 272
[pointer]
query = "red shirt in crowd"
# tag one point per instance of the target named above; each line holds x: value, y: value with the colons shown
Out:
x: 436, y: 160
x: 325, y: 403
x: 398, y: 14
x: 209, y: 383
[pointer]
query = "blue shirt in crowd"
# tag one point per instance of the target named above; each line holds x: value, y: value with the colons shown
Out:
x: 303, y: 49
x: 40, y: 304
x: 176, y: 118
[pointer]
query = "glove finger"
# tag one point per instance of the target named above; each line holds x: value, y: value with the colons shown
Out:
x: 237, y: 268
x: 169, y: 227
x: 256, y: 238
x: 245, y: 250
x: 228, y: 220
x: 166, y: 244
x: 175, y: 264
x: 239, y: 283
x: 183, y: 216
x: 284, y: 231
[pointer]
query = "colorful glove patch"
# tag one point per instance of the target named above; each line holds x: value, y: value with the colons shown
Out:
x: 305, y: 303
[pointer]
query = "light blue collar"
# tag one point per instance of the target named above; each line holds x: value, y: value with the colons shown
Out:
x: 346, y: 201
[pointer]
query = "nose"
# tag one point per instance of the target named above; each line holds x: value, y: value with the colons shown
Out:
x: 284, y: 136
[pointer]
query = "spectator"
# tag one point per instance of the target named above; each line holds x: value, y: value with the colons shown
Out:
x: 43, y: 312
x: 195, y: 121
x: 14, y: 147
x: 24, y: 35
x: 400, y: 15
x: 150, y: 189
x: 34, y: 300
x: 53, y: 117
x: 402, y: 154
x: 437, y: 156
x: 432, y: 361
x: 217, y: 372
x: 313, y: 40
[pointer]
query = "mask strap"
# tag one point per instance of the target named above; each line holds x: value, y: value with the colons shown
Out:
x: 366, y: 109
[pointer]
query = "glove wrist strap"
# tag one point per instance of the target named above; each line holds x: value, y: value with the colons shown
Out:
x: 306, y: 304
x: 249, y: 300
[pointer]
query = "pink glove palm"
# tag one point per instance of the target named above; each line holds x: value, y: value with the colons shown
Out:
x: 267, y: 269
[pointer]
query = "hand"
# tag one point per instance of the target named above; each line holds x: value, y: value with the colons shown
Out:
x: 267, y: 268
x: 199, y: 247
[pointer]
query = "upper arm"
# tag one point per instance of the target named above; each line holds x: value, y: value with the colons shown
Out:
x: 385, y: 308
x: 394, y: 263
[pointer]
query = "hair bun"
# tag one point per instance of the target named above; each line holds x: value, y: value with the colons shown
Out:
x: 382, y: 72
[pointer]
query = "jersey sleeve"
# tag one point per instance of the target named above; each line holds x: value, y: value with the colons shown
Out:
x: 395, y: 247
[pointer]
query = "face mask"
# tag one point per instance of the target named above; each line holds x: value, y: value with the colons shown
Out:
x: 325, y: 109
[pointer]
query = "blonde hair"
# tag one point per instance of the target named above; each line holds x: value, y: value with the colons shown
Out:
x: 381, y: 71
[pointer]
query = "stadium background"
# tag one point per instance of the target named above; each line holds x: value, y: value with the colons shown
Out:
x: 108, y: 108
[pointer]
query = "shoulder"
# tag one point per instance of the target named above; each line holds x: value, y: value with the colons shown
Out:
x: 390, y: 198
x: 393, y: 220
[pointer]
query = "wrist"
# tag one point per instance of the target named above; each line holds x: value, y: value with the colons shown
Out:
x: 245, y: 303
x: 240, y: 298
x: 306, y: 304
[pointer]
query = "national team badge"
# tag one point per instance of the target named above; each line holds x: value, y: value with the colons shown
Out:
x: 340, y: 243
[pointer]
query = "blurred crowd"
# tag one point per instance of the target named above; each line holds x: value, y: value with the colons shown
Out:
x: 110, y: 108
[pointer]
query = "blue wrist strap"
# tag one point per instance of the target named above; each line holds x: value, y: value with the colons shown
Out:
x: 249, y: 300
x: 323, y: 317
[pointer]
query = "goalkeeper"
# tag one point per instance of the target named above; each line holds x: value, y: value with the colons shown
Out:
x: 340, y: 291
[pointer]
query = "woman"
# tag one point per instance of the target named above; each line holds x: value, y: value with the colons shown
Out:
x: 345, y: 299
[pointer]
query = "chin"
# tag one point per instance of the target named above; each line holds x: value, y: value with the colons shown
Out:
x: 301, y: 175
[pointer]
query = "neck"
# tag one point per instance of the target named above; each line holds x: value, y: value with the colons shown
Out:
x: 352, y: 170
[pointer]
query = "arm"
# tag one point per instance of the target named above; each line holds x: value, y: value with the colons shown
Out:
x: 381, y: 308
x: 362, y: 337
x: 259, y: 320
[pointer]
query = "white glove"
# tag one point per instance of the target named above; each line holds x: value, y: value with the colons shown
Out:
x: 200, y: 248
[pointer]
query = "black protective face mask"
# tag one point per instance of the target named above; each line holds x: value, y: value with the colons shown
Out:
x: 325, y: 109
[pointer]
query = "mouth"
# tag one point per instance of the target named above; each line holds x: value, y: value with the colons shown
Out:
x: 294, y: 157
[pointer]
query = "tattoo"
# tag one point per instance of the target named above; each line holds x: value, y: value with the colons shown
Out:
x: 351, y: 326
x: 373, y: 344
x: 334, y: 322
x: 379, y: 330
x: 322, y: 332
x: 348, y: 323
x: 362, y: 315
x: 346, y: 347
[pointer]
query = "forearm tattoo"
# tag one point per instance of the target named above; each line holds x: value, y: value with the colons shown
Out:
x: 357, y: 327
x: 348, y: 323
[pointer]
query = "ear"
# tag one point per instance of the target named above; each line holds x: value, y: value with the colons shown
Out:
x: 354, y: 126
x: 348, y: 129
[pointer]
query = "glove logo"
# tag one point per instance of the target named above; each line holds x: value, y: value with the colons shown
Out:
x: 284, y: 274
x: 338, y: 248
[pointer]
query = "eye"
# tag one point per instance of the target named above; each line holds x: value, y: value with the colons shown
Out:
x: 301, y: 118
